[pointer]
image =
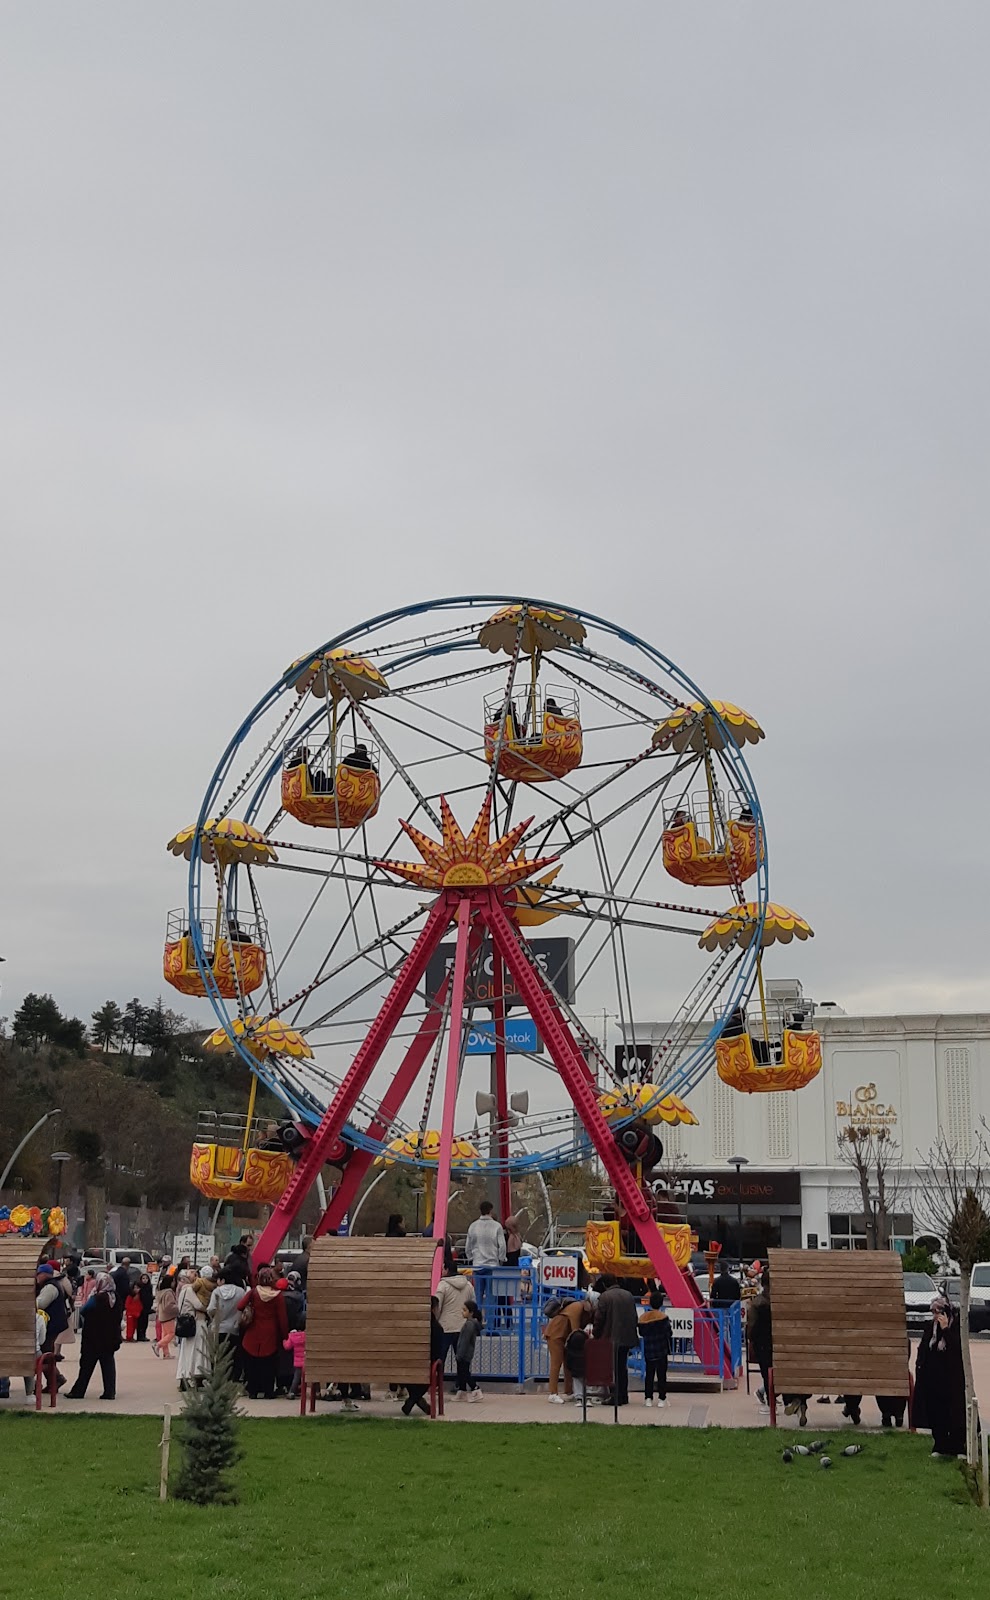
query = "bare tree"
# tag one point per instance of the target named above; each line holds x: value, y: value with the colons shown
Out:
x: 953, y: 1196
x: 874, y: 1156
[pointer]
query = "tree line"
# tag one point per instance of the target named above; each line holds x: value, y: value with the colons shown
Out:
x: 39, y: 1020
x: 130, y: 1087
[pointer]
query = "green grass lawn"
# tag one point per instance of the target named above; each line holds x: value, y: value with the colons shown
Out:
x: 360, y: 1507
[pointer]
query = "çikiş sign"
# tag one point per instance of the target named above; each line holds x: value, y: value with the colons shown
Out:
x: 559, y: 1272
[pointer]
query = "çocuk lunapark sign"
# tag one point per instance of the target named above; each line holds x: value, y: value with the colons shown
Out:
x: 33, y: 1221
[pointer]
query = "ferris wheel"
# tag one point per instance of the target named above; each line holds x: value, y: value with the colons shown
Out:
x: 479, y: 822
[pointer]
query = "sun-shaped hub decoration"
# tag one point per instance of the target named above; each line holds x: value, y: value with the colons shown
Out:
x: 474, y: 861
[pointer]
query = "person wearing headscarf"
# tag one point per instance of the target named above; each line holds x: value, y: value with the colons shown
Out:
x: 225, y: 1318
x: 940, y: 1382
x: 295, y: 1311
x: 267, y: 1325
x: 166, y: 1311
x: 100, y: 1340
x: 192, y: 1328
x: 147, y: 1297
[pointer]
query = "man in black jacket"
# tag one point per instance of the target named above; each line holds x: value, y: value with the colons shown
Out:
x: 121, y: 1276
x: 237, y: 1267
x: 725, y: 1291
x: 616, y: 1319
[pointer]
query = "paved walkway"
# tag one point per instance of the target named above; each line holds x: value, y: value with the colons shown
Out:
x: 145, y: 1385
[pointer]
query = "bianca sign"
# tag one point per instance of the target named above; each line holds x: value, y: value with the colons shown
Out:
x: 559, y: 1272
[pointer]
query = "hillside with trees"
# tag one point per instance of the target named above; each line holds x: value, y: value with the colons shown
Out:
x: 129, y: 1089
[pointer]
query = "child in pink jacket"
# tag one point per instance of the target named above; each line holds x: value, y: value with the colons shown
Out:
x: 296, y: 1342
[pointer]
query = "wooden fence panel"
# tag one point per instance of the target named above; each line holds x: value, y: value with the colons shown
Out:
x: 839, y: 1323
x: 368, y: 1310
x: 18, y: 1262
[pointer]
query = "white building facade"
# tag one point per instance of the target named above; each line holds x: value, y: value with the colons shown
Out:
x: 916, y: 1076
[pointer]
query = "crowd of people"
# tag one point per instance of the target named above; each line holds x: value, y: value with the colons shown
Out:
x: 258, y: 1318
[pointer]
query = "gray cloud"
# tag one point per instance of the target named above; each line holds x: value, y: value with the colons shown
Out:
x: 677, y: 314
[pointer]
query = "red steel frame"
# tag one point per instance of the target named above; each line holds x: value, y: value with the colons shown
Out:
x: 455, y: 1031
x: 474, y: 909
x: 331, y: 1125
x: 381, y: 1123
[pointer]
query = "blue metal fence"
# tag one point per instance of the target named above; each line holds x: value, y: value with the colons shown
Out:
x: 511, y: 1347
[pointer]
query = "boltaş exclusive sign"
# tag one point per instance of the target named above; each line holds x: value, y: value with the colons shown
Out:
x: 554, y: 957
x: 748, y: 1189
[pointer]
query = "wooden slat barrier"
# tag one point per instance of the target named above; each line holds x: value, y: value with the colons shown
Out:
x: 368, y: 1310
x: 18, y: 1262
x: 839, y: 1322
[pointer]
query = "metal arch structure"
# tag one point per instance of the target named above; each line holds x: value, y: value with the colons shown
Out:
x: 657, y: 686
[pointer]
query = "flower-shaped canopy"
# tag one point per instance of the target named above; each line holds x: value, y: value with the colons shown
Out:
x: 351, y: 676
x: 227, y: 841
x: 261, y: 1037
x: 542, y: 630
x: 738, y: 925
x: 525, y: 908
x: 693, y: 727
x: 463, y: 1152
x: 650, y: 1102
x: 243, y: 1029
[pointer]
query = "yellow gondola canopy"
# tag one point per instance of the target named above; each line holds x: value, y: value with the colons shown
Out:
x: 339, y: 674
x: 227, y: 842
x: 462, y: 1152
x: 738, y: 925
x: 543, y: 630
x: 694, y: 727
x: 649, y: 1101
x: 260, y: 1036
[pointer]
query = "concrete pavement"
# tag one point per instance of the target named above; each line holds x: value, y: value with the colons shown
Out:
x: 145, y: 1385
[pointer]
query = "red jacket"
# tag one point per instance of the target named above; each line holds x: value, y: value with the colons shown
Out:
x: 269, y: 1325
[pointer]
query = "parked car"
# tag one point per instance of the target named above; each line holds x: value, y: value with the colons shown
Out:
x: 110, y: 1258
x: 919, y: 1292
x: 979, y: 1297
x: 951, y: 1287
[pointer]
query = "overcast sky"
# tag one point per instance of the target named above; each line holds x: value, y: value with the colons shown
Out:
x: 675, y: 312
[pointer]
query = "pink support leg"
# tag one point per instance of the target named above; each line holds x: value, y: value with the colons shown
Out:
x: 391, y: 1104
x: 317, y: 1148
x: 573, y: 1071
x: 454, y: 1042
x: 501, y: 1089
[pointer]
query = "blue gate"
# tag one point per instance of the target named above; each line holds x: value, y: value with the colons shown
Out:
x: 511, y: 1348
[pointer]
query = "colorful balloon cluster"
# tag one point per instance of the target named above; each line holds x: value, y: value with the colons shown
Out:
x: 32, y: 1221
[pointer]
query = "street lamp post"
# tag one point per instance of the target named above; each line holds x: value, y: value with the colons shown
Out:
x: 60, y: 1157
x: 739, y: 1162
x: 8, y: 1169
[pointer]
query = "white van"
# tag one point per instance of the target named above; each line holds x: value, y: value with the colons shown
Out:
x: 111, y: 1258
x: 979, y: 1297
